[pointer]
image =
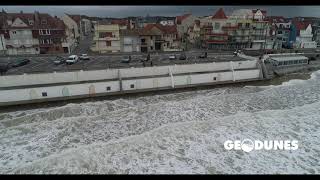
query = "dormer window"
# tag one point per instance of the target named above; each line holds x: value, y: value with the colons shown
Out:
x: 43, y: 21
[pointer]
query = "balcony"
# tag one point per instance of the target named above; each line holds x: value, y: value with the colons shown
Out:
x: 216, y: 41
x: 106, y: 39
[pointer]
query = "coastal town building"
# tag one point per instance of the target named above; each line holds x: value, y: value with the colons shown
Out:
x: 305, y: 38
x: 106, y: 37
x: 32, y: 33
x: 130, y: 40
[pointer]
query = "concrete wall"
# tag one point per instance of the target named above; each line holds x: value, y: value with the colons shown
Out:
x: 109, y: 74
x: 90, y: 89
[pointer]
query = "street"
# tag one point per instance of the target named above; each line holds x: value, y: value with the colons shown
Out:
x: 45, y: 64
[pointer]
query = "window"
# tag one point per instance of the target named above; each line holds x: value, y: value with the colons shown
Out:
x: 57, y: 48
x: 43, y: 21
x: 228, y: 24
x: 143, y: 40
x: 214, y: 78
x: 151, y: 48
x: 247, y: 25
x: 44, y: 94
x: 216, y: 25
x: 132, y: 86
x: 108, y: 88
x: 108, y: 43
x: 240, y: 24
x: 14, y: 32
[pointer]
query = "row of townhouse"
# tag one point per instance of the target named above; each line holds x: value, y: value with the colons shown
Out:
x: 116, y: 37
x: 31, y: 33
x: 244, y: 28
x: 251, y: 29
x: 292, y: 33
x: 40, y: 33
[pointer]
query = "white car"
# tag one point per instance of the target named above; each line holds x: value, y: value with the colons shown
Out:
x: 84, y: 57
x: 172, y: 57
x: 72, y: 59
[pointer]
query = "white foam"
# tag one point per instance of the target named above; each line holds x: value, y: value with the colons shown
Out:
x: 196, y: 147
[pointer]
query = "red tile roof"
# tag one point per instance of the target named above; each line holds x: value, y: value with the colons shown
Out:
x: 276, y: 19
x: 37, y: 18
x: 301, y: 25
x: 122, y: 22
x: 181, y: 18
x: 164, y: 29
x: 75, y: 17
x: 220, y: 15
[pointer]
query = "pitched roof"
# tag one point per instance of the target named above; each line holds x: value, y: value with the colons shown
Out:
x: 37, y: 18
x: 301, y: 25
x: 122, y: 22
x: 181, y: 18
x: 75, y: 17
x: 264, y: 12
x: 220, y: 15
x: 130, y: 32
x: 164, y: 29
x: 276, y: 19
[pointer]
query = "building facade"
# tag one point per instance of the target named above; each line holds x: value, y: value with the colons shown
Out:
x: 305, y: 38
x: 130, y: 41
x: 32, y: 33
x: 106, y: 38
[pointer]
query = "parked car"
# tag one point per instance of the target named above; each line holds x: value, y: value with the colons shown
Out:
x: 126, y: 59
x: 172, y: 57
x: 145, y: 58
x: 204, y: 55
x: 182, y: 57
x: 4, y: 67
x: 72, y: 59
x: 59, y: 60
x: 84, y: 57
x: 20, y: 62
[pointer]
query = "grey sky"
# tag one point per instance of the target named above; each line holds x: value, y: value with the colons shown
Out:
x: 124, y: 11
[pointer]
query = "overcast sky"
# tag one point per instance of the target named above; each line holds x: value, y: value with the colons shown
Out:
x: 124, y: 11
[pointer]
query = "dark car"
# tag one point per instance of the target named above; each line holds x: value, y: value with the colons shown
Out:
x: 182, y: 57
x: 20, y: 62
x: 204, y: 55
x: 59, y: 60
x: 4, y: 67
